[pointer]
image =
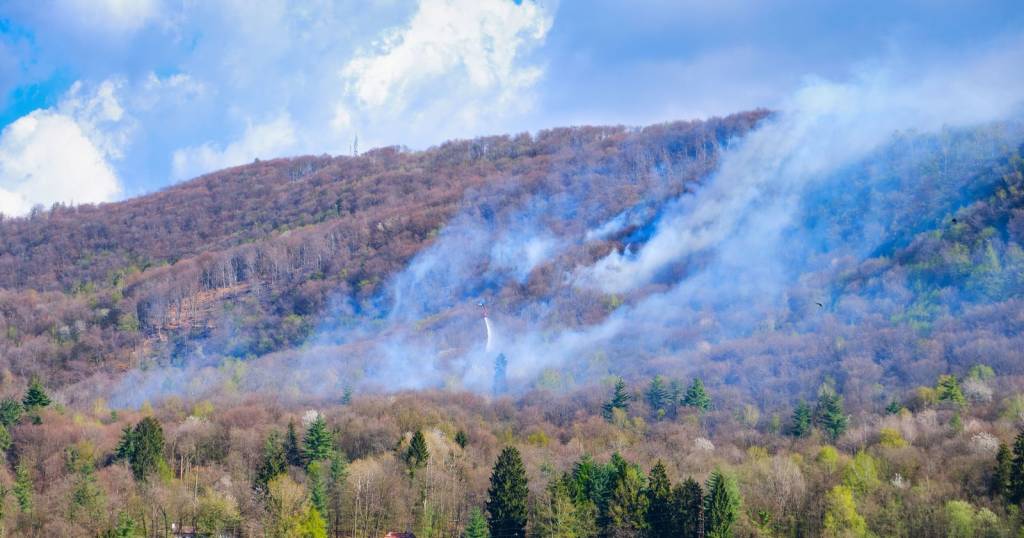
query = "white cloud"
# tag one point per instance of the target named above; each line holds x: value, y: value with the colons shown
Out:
x: 451, y: 49
x: 270, y: 139
x: 45, y: 157
x: 62, y: 154
x: 121, y: 16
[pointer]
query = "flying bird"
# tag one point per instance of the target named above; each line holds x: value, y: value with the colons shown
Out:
x: 819, y: 305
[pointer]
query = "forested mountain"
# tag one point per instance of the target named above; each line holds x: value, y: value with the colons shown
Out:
x: 681, y: 338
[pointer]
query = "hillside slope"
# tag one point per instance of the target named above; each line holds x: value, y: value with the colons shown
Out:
x: 248, y: 257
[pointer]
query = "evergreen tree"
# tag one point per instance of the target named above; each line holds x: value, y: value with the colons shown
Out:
x: 659, y: 503
x: 721, y: 505
x: 5, y: 440
x: 416, y: 455
x: 627, y: 508
x: 507, y: 496
x: 1002, y: 472
x: 125, y: 445
x: 500, y: 379
x: 336, y: 490
x: 318, y: 443
x: 292, y: 452
x: 801, y: 420
x: 317, y: 485
x: 560, y: 516
x: 948, y: 390
x: 658, y: 397
x: 620, y: 400
x: 1017, y: 470
x: 697, y: 396
x: 87, y: 499
x: 894, y: 407
x: 461, y: 439
x: 688, y: 509
x: 830, y: 414
x: 147, y: 448
x: 10, y: 412
x: 272, y: 463
x: 36, y: 396
x: 23, y: 487
x: 346, y: 396
x: 476, y: 527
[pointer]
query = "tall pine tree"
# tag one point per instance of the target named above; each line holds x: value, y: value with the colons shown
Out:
x: 507, y: 496
x: 802, y: 420
x: 688, y: 509
x: 1017, y: 470
x: 1002, y: 472
x: 292, y: 451
x: 318, y: 443
x: 721, y: 505
x: 272, y: 461
x: 658, y: 397
x: 416, y: 455
x: 659, y: 503
x: 143, y: 448
x: 627, y: 508
x: 36, y: 396
x: 476, y: 527
x: 697, y: 396
x: 620, y: 400
x: 831, y: 416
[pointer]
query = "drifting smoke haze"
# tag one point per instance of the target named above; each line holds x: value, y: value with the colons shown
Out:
x: 717, y: 261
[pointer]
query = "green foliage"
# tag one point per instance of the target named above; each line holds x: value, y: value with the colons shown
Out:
x: 10, y: 412
x: 5, y: 439
x: 960, y: 519
x: 273, y: 461
x: 1017, y: 470
x: 318, y: 442
x: 620, y: 400
x: 948, y: 390
x: 841, y: 517
x: 125, y: 527
x: 461, y: 439
x: 688, y: 509
x: 143, y: 447
x: 1000, y: 485
x: 830, y: 415
x: 292, y: 451
x: 317, y: 484
x: 216, y: 515
x: 659, y: 502
x: 507, y: 496
x: 696, y: 396
x: 721, y: 504
x: 893, y: 408
x: 312, y: 525
x: 891, y: 438
x: 88, y: 502
x: 659, y: 399
x: 627, y: 508
x: 981, y: 372
x: 562, y: 516
x: 417, y: 454
x: 802, y: 420
x: 36, y: 396
x: 828, y: 457
x: 861, y: 475
x: 23, y: 487
x: 476, y: 527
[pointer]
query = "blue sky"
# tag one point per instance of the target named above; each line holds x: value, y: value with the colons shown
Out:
x: 105, y: 99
